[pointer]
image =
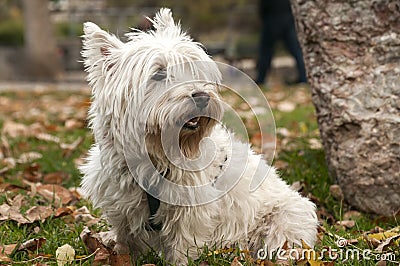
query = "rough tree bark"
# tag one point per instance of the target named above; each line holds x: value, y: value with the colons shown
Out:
x: 352, y: 54
x: 41, y: 59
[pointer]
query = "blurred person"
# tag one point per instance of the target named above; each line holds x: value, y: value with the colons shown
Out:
x: 278, y: 24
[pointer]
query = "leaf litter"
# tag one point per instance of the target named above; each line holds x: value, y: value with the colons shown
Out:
x: 54, y: 201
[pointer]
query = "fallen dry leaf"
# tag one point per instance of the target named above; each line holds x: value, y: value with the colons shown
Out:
x: 297, y: 186
x: 5, y: 147
x: 70, y: 148
x: 10, y: 164
x: 351, y: 215
x: 83, y: 214
x: 286, y: 106
x: 336, y: 192
x: 38, y: 213
x: 387, y: 243
x: 56, y: 193
x: 48, y: 137
x: 32, y: 172
x: 7, y: 212
x: 4, y: 257
x: 236, y: 262
x: 120, y: 260
x: 93, y: 244
x: 9, y: 187
x: 7, y: 250
x: 55, y: 178
x: 383, y: 235
x: 315, y: 144
x: 29, y: 157
x: 14, y: 129
x: 32, y: 244
x: 64, y: 211
x: 346, y: 223
x: 73, y: 124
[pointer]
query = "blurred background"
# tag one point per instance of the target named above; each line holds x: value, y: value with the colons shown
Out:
x: 40, y: 39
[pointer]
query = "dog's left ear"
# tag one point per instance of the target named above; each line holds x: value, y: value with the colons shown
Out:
x: 98, y: 48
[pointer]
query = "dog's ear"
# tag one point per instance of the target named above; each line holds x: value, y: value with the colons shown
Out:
x: 98, y: 50
x: 163, y: 20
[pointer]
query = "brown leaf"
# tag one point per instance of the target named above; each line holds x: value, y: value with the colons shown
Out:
x: 336, y: 192
x: 64, y: 211
x: 73, y: 124
x: 48, y: 137
x: 90, y: 242
x: 55, y: 178
x: 315, y: 144
x: 93, y: 244
x: 17, y: 201
x: 38, y: 213
x: 10, y: 164
x: 7, y: 249
x: 83, y: 214
x: 5, y: 147
x: 29, y: 157
x: 32, y: 244
x: 55, y: 193
x: 286, y: 106
x: 387, y: 243
x: 297, y: 186
x: 32, y: 172
x: 4, y: 257
x: 236, y: 262
x: 381, y: 263
x: 346, y: 223
x: 120, y: 259
x: 14, y: 129
x: 70, y: 148
x: 351, y: 215
x: 9, y: 187
x: 9, y: 213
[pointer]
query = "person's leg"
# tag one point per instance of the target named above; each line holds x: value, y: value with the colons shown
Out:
x: 266, y: 50
x: 292, y: 44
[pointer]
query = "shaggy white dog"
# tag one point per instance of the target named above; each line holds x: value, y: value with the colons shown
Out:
x: 154, y: 116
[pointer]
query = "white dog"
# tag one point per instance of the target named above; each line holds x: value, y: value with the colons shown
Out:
x: 154, y: 116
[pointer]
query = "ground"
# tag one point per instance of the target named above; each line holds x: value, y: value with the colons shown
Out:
x: 44, y: 137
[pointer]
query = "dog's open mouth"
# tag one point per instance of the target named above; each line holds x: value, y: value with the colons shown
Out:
x: 192, y: 124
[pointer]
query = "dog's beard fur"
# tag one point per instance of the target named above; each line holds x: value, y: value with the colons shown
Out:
x: 176, y: 114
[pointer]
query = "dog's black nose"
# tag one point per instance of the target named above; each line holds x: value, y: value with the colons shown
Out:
x: 201, y: 99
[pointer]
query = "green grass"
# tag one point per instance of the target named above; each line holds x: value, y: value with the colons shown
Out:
x: 302, y: 164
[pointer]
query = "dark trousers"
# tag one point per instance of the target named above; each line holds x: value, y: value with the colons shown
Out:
x: 274, y: 28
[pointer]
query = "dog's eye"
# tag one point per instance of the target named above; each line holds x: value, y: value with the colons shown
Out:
x: 160, y: 75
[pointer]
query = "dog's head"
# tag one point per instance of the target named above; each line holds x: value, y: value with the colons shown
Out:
x: 158, y: 86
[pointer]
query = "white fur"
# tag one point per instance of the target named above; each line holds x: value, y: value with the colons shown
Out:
x: 127, y: 107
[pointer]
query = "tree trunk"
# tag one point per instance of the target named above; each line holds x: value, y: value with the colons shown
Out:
x: 352, y: 54
x: 41, y: 57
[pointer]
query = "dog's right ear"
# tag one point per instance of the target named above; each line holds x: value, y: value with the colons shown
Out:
x: 99, y: 50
